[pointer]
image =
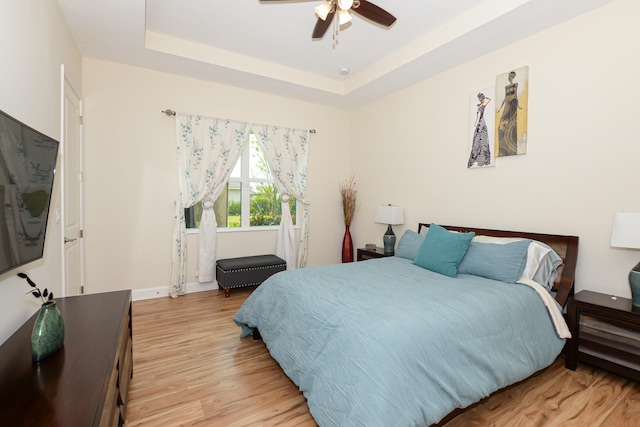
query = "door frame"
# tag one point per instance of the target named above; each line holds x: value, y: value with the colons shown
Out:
x: 65, y: 86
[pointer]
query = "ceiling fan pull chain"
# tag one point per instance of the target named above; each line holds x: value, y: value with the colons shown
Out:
x: 336, y: 30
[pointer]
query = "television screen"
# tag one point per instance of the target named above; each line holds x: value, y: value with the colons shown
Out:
x: 27, y: 167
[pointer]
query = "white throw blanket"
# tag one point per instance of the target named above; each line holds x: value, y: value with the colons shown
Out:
x: 562, y: 330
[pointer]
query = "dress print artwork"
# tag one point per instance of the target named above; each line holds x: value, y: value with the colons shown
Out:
x: 511, y: 112
x: 482, y: 124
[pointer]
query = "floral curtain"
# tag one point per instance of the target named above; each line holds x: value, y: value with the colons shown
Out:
x: 208, y: 149
x: 286, y: 151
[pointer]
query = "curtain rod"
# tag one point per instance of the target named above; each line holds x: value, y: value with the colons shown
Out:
x: 170, y: 113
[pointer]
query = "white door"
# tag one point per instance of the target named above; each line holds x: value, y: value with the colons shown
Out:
x: 72, y: 192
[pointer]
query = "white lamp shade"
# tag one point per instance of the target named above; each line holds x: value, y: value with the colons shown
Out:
x: 626, y: 230
x: 345, y: 4
x: 323, y: 10
x: 343, y: 17
x: 389, y: 214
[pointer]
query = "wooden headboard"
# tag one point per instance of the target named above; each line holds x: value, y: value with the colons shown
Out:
x: 565, y: 246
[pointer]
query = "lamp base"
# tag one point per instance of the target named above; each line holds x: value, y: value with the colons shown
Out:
x: 389, y: 240
x: 634, y: 283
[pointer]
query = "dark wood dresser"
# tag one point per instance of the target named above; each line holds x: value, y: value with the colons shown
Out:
x: 83, y: 384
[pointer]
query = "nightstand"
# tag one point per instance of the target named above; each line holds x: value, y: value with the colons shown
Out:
x: 605, y: 333
x: 365, y: 254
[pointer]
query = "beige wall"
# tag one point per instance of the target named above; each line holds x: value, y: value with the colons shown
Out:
x: 131, y: 173
x: 583, y: 146
x: 34, y: 42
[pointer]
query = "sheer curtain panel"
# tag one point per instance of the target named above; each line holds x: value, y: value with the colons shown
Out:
x: 208, y: 149
x: 286, y: 151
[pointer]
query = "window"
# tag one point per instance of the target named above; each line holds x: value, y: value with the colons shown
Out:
x: 250, y: 198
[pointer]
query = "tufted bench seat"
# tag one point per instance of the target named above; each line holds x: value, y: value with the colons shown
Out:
x: 246, y: 271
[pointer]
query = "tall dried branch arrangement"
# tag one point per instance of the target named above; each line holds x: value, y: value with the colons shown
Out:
x: 349, y: 192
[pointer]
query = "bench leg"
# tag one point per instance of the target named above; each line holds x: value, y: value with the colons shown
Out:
x: 227, y: 292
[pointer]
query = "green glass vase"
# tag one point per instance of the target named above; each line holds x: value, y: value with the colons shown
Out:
x: 47, y: 336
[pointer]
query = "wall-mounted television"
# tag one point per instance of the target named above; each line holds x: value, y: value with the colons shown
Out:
x: 27, y: 168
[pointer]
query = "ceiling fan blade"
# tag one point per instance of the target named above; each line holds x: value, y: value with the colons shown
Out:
x: 374, y: 13
x: 322, y: 26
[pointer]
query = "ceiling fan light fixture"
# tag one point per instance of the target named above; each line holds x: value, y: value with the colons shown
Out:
x: 324, y: 9
x: 345, y: 4
x: 327, y: 10
x: 343, y: 16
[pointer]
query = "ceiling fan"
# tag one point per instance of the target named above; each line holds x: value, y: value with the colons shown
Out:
x: 327, y: 10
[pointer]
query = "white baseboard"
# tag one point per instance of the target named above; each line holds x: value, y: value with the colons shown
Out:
x: 148, y: 293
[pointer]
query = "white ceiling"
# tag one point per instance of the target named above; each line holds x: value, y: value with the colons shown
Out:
x: 267, y: 46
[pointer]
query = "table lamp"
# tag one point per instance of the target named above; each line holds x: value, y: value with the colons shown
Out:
x: 391, y: 215
x: 626, y: 234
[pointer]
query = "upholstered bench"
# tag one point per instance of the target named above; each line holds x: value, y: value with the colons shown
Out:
x: 246, y: 271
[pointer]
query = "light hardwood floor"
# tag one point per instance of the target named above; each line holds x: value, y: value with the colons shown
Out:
x: 191, y: 368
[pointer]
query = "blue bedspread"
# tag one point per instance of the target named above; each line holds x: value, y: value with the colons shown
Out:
x: 386, y: 343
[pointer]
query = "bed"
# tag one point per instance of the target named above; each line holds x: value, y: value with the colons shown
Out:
x: 402, y: 341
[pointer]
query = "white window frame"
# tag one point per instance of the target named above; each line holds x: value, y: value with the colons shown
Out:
x: 245, y: 205
x: 245, y: 181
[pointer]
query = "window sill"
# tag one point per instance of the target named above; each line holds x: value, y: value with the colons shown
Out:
x: 242, y: 230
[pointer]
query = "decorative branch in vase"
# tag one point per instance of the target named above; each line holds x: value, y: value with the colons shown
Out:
x: 47, y: 336
x: 45, y: 296
x: 349, y: 193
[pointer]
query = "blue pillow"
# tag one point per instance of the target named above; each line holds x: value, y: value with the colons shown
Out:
x: 442, y: 250
x: 409, y: 244
x: 495, y: 261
